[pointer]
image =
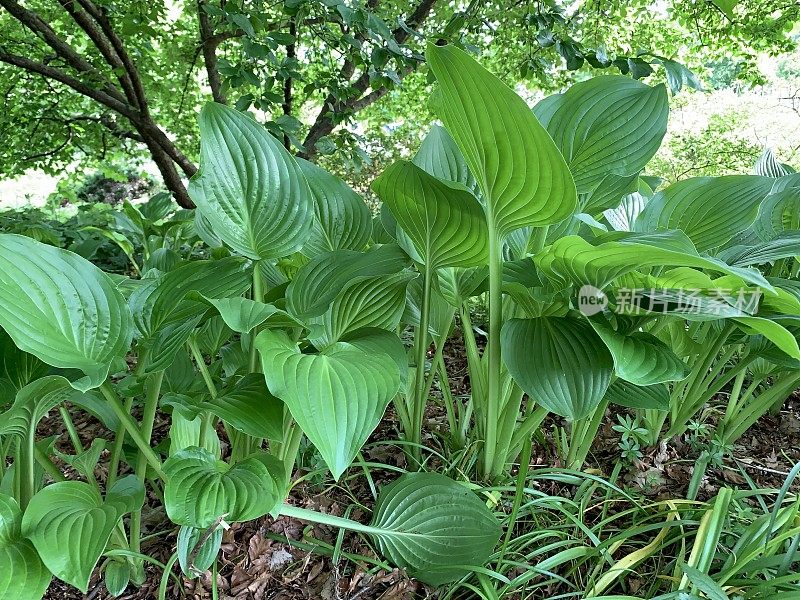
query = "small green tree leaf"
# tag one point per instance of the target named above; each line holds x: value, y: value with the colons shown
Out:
x: 249, y: 188
x: 337, y: 397
x: 444, y: 221
x: 23, y: 576
x: 434, y: 527
x: 200, y: 489
x: 70, y: 524
x: 560, y: 362
x: 523, y: 177
x: 62, y: 309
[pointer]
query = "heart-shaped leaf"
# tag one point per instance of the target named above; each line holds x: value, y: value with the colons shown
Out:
x: 560, y: 362
x: 523, y: 177
x: 337, y: 397
x: 641, y: 358
x: 434, y: 527
x: 62, y: 309
x: 342, y: 220
x: 444, y: 221
x: 200, y: 490
x: 23, y: 576
x: 249, y: 188
x: 70, y: 524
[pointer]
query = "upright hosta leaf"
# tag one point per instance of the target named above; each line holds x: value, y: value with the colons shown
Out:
x: 606, y: 125
x: 640, y: 357
x: 444, y: 221
x: 317, y: 283
x: 560, y: 362
x: 62, y: 309
x: 195, y: 561
x: 23, y: 576
x: 434, y: 527
x: 369, y: 302
x: 201, y: 490
x: 337, y: 396
x: 70, y: 524
x: 249, y: 189
x: 342, y: 220
x: 767, y: 165
x: 18, y: 368
x: 519, y: 170
x: 574, y: 260
x: 710, y: 210
x: 33, y: 402
x: 439, y: 155
x: 623, y: 217
x: 779, y: 213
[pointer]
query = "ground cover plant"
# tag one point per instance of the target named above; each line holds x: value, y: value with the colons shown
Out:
x: 281, y: 319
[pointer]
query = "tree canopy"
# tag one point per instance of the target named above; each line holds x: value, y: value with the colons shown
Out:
x: 92, y: 79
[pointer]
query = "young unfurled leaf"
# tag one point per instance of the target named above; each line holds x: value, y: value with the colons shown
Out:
x: 337, y: 397
x: 196, y: 558
x: 434, y: 527
x: 560, y: 362
x: 70, y: 524
x: 523, y: 177
x: 62, y: 309
x: 23, y: 576
x: 200, y: 489
x: 249, y: 188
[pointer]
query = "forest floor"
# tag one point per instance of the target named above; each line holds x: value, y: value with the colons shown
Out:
x: 257, y: 563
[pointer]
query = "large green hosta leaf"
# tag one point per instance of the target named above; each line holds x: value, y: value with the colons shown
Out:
x: 342, y: 219
x: 368, y: 302
x: 560, y: 362
x: 337, y: 396
x: 317, y: 283
x: 434, y: 527
x: 640, y: 357
x: 70, y: 524
x: 519, y: 169
x: 606, y: 125
x: 62, y: 309
x: 17, y: 368
x: 249, y: 189
x: 572, y: 259
x: 710, y: 210
x: 653, y: 397
x: 444, y: 221
x: 200, y: 489
x: 23, y: 576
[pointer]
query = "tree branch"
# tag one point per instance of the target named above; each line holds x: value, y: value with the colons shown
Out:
x: 209, y: 43
x: 324, y: 123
